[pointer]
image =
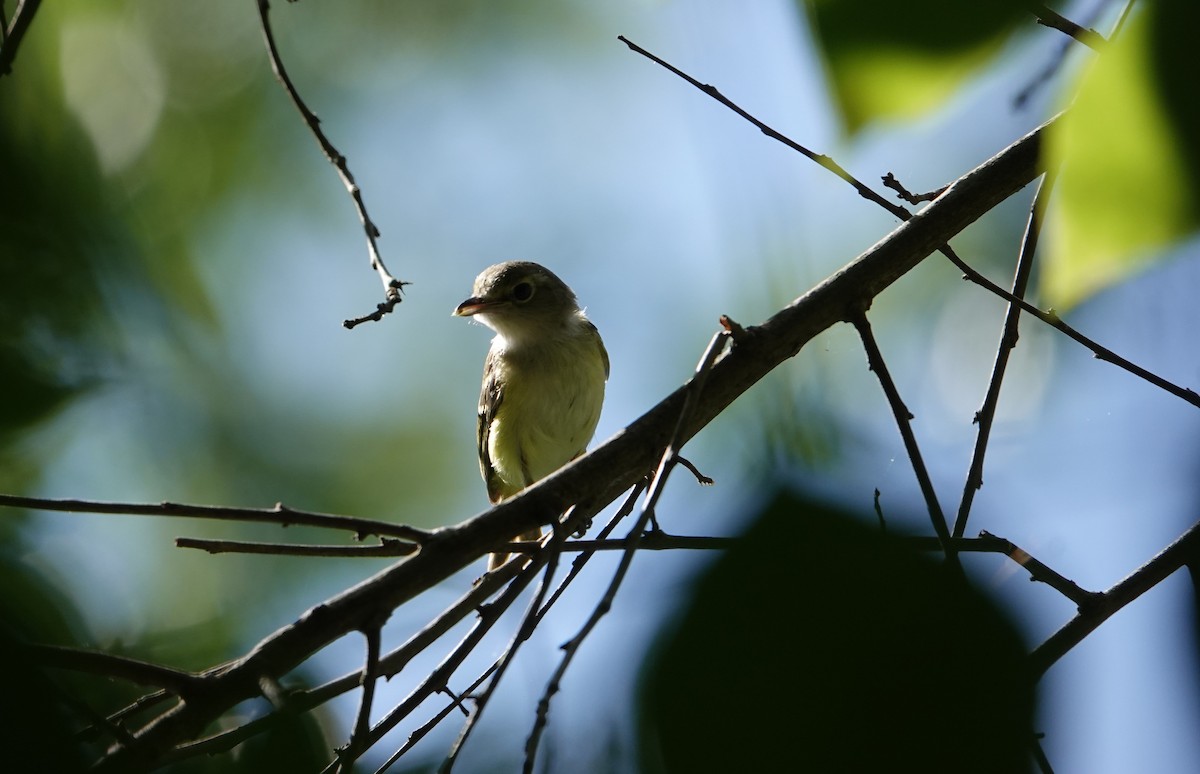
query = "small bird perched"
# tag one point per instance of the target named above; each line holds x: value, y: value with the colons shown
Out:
x: 543, y: 379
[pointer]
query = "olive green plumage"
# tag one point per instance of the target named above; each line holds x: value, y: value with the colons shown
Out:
x: 543, y: 379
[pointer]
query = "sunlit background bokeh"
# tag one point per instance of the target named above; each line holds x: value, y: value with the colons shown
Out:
x: 180, y: 258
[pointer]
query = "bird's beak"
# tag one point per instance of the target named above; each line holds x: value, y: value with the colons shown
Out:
x: 473, y: 306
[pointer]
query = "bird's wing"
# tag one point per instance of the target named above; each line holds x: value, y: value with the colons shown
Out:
x: 600, y: 343
x: 489, y: 402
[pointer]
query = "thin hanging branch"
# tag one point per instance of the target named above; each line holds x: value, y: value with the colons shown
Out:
x: 392, y: 286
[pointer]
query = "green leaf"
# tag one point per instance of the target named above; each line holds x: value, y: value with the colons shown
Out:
x: 819, y: 643
x: 1129, y: 149
x: 892, y: 59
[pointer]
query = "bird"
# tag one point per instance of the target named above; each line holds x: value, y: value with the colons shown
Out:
x: 543, y: 378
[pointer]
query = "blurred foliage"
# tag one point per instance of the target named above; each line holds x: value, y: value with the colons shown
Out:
x: 56, y: 232
x: 37, y: 729
x: 1128, y: 147
x: 126, y: 128
x: 819, y: 644
x: 892, y: 60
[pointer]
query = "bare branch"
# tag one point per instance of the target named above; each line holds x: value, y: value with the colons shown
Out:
x: 362, y: 724
x: 392, y: 286
x: 1008, y: 341
x: 670, y: 455
x: 890, y: 181
x: 388, y: 548
x: 904, y: 422
x: 279, y: 514
x: 1109, y: 602
x: 389, y: 665
x: 1082, y: 598
x: 440, y: 676
x: 1050, y: 318
x: 600, y: 476
x: 824, y: 161
x: 1048, y: 17
x: 14, y: 33
x: 549, y: 545
x: 109, y: 665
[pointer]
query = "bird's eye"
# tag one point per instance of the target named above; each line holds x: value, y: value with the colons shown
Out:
x: 522, y: 291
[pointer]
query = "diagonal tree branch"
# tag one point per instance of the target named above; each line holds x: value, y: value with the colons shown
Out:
x: 12, y: 33
x: 600, y: 476
x: 1050, y: 318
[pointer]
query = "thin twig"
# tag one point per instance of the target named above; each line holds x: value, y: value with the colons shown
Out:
x: 651, y: 541
x: 1048, y: 17
x: 580, y: 561
x: 529, y: 621
x: 1053, y: 320
x: 701, y: 479
x: 388, y: 548
x: 14, y: 33
x: 279, y: 514
x: 1038, y: 571
x: 390, y: 665
x: 820, y: 158
x: 890, y: 181
x: 658, y: 482
x: 109, y: 665
x: 655, y: 541
x: 355, y: 747
x: 1109, y: 602
x: 420, y: 733
x: 1039, y: 756
x: 392, y: 287
x: 986, y: 415
x: 440, y: 676
x: 1050, y: 318
x: 904, y: 421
